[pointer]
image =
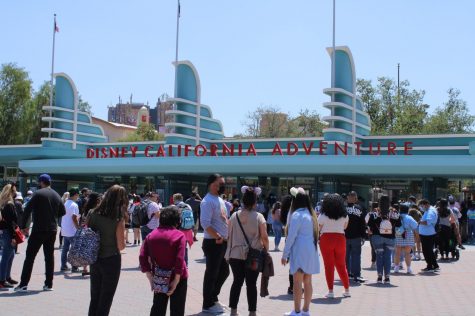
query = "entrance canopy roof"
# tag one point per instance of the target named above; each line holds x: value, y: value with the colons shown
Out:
x: 428, y: 165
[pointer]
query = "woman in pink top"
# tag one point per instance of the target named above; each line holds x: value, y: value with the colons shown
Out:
x: 332, y: 222
x: 165, y: 248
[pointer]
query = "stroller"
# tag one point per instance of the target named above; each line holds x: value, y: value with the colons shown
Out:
x: 452, y: 246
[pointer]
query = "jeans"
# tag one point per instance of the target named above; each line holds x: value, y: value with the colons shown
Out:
x: 36, y: 240
x: 144, y: 230
x: 353, y: 256
x: 428, y: 251
x: 67, y: 241
x: 105, y: 275
x: 471, y: 230
x: 240, y: 273
x: 277, y: 228
x: 384, y: 246
x: 177, y: 301
x: 7, y: 256
x: 216, y: 273
x: 373, y: 251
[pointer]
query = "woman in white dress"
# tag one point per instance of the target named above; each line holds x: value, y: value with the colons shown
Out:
x: 301, y: 249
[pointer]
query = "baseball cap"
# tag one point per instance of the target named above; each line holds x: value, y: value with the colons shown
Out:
x: 44, y: 178
x: 18, y: 196
x: 29, y: 192
x: 73, y: 191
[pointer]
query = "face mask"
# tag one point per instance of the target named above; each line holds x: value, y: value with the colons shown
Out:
x: 221, y: 190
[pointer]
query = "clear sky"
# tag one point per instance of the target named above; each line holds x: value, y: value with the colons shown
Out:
x: 247, y: 52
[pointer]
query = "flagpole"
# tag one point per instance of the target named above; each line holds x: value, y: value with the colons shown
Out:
x: 333, y: 53
x: 176, y: 44
x: 52, y: 75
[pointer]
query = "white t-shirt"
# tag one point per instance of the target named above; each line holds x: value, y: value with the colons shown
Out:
x: 153, y: 208
x: 332, y: 226
x: 68, y: 229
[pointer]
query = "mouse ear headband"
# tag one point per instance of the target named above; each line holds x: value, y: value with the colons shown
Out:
x: 294, y: 191
x: 256, y: 190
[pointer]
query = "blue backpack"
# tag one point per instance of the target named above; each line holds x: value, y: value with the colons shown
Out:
x: 187, y: 219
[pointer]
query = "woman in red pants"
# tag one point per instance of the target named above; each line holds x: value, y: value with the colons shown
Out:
x: 332, y: 222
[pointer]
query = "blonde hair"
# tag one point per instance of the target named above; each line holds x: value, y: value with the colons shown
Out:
x: 65, y: 197
x: 177, y: 197
x: 7, y: 195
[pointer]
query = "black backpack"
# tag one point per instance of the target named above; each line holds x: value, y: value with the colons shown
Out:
x: 140, y: 214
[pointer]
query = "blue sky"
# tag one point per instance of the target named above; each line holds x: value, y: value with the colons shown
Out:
x: 247, y: 52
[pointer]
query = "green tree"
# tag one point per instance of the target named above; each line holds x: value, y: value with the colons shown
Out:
x: 266, y: 121
x: 84, y: 105
x: 144, y: 132
x: 271, y: 122
x: 453, y: 118
x: 307, y: 124
x: 393, y: 112
x: 15, y: 95
x: 34, y: 113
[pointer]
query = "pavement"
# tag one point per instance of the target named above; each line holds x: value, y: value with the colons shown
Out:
x: 445, y: 293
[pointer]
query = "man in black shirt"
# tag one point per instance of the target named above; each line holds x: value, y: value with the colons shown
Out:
x: 355, y: 234
x: 46, y: 207
x: 194, y: 201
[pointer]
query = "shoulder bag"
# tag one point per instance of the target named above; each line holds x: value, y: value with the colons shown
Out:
x: 255, y: 257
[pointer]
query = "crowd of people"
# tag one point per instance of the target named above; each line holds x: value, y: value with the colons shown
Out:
x: 236, y: 240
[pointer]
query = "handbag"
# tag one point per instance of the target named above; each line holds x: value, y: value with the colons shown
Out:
x: 161, y: 279
x: 18, y: 236
x: 255, y: 257
x: 84, y: 248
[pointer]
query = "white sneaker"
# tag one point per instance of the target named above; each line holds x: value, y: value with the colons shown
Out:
x: 223, y: 306
x: 401, y: 267
x: 346, y: 294
x: 307, y: 313
x: 292, y: 313
x: 396, y: 269
x: 330, y: 295
x: 214, y: 310
x: 409, y: 270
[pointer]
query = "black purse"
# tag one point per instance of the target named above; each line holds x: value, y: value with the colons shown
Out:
x: 255, y: 257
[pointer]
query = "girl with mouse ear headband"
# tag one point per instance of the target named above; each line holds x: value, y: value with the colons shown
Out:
x: 294, y: 191
x: 257, y: 190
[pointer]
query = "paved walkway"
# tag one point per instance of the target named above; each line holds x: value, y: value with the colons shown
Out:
x: 447, y: 293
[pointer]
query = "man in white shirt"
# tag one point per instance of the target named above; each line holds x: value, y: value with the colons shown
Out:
x: 153, y: 212
x: 69, y: 226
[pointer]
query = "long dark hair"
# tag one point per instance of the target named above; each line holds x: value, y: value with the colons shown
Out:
x: 92, y: 200
x: 285, y: 208
x: 443, y: 209
x: 333, y: 206
x: 114, y: 204
x: 384, y: 204
x: 249, y: 199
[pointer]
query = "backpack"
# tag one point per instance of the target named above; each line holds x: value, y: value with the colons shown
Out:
x: 187, y: 219
x: 385, y: 228
x: 84, y: 248
x: 140, y: 214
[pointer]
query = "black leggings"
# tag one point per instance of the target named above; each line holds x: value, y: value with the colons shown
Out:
x: 105, y: 275
x: 240, y: 274
x: 444, y: 240
x: 177, y: 301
